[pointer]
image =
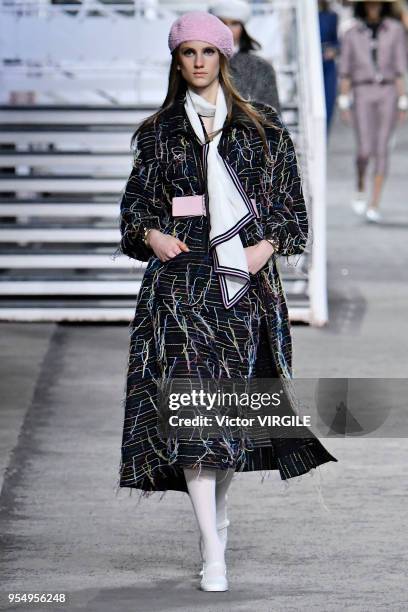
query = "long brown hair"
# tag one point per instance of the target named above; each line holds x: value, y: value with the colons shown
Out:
x: 247, y: 43
x: 177, y: 85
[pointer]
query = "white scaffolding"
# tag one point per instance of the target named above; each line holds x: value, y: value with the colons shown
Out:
x: 98, y: 62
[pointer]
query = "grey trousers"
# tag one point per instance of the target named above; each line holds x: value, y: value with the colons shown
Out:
x: 374, y: 116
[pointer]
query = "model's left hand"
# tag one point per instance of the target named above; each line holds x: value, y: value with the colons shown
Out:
x: 257, y: 255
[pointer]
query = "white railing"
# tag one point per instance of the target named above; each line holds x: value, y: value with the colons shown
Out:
x: 57, y: 52
x: 50, y: 49
x: 313, y: 121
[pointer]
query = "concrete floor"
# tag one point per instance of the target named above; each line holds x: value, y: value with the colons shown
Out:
x: 65, y: 528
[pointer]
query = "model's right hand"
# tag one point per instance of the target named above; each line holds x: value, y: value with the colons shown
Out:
x: 402, y: 116
x: 165, y: 247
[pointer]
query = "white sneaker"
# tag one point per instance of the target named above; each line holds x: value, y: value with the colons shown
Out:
x: 359, y: 202
x: 373, y: 216
x: 214, y: 577
x: 222, y: 529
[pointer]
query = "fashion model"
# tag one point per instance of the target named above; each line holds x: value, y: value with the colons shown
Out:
x: 328, y: 21
x: 213, y: 198
x: 253, y: 76
x: 373, y: 65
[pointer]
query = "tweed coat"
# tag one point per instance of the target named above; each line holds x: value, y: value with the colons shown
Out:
x: 167, y: 164
x: 170, y: 162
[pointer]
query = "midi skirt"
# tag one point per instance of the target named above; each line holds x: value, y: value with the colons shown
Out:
x: 181, y: 329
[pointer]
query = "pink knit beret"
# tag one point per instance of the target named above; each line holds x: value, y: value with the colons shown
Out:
x: 199, y: 25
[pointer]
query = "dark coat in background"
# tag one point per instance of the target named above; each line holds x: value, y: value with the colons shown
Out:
x: 255, y: 79
x: 328, y: 24
x: 167, y: 164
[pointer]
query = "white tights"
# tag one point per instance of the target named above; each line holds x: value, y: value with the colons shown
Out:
x: 208, y: 493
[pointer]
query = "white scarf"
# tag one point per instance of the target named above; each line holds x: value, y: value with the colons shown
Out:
x: 229, y: 206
